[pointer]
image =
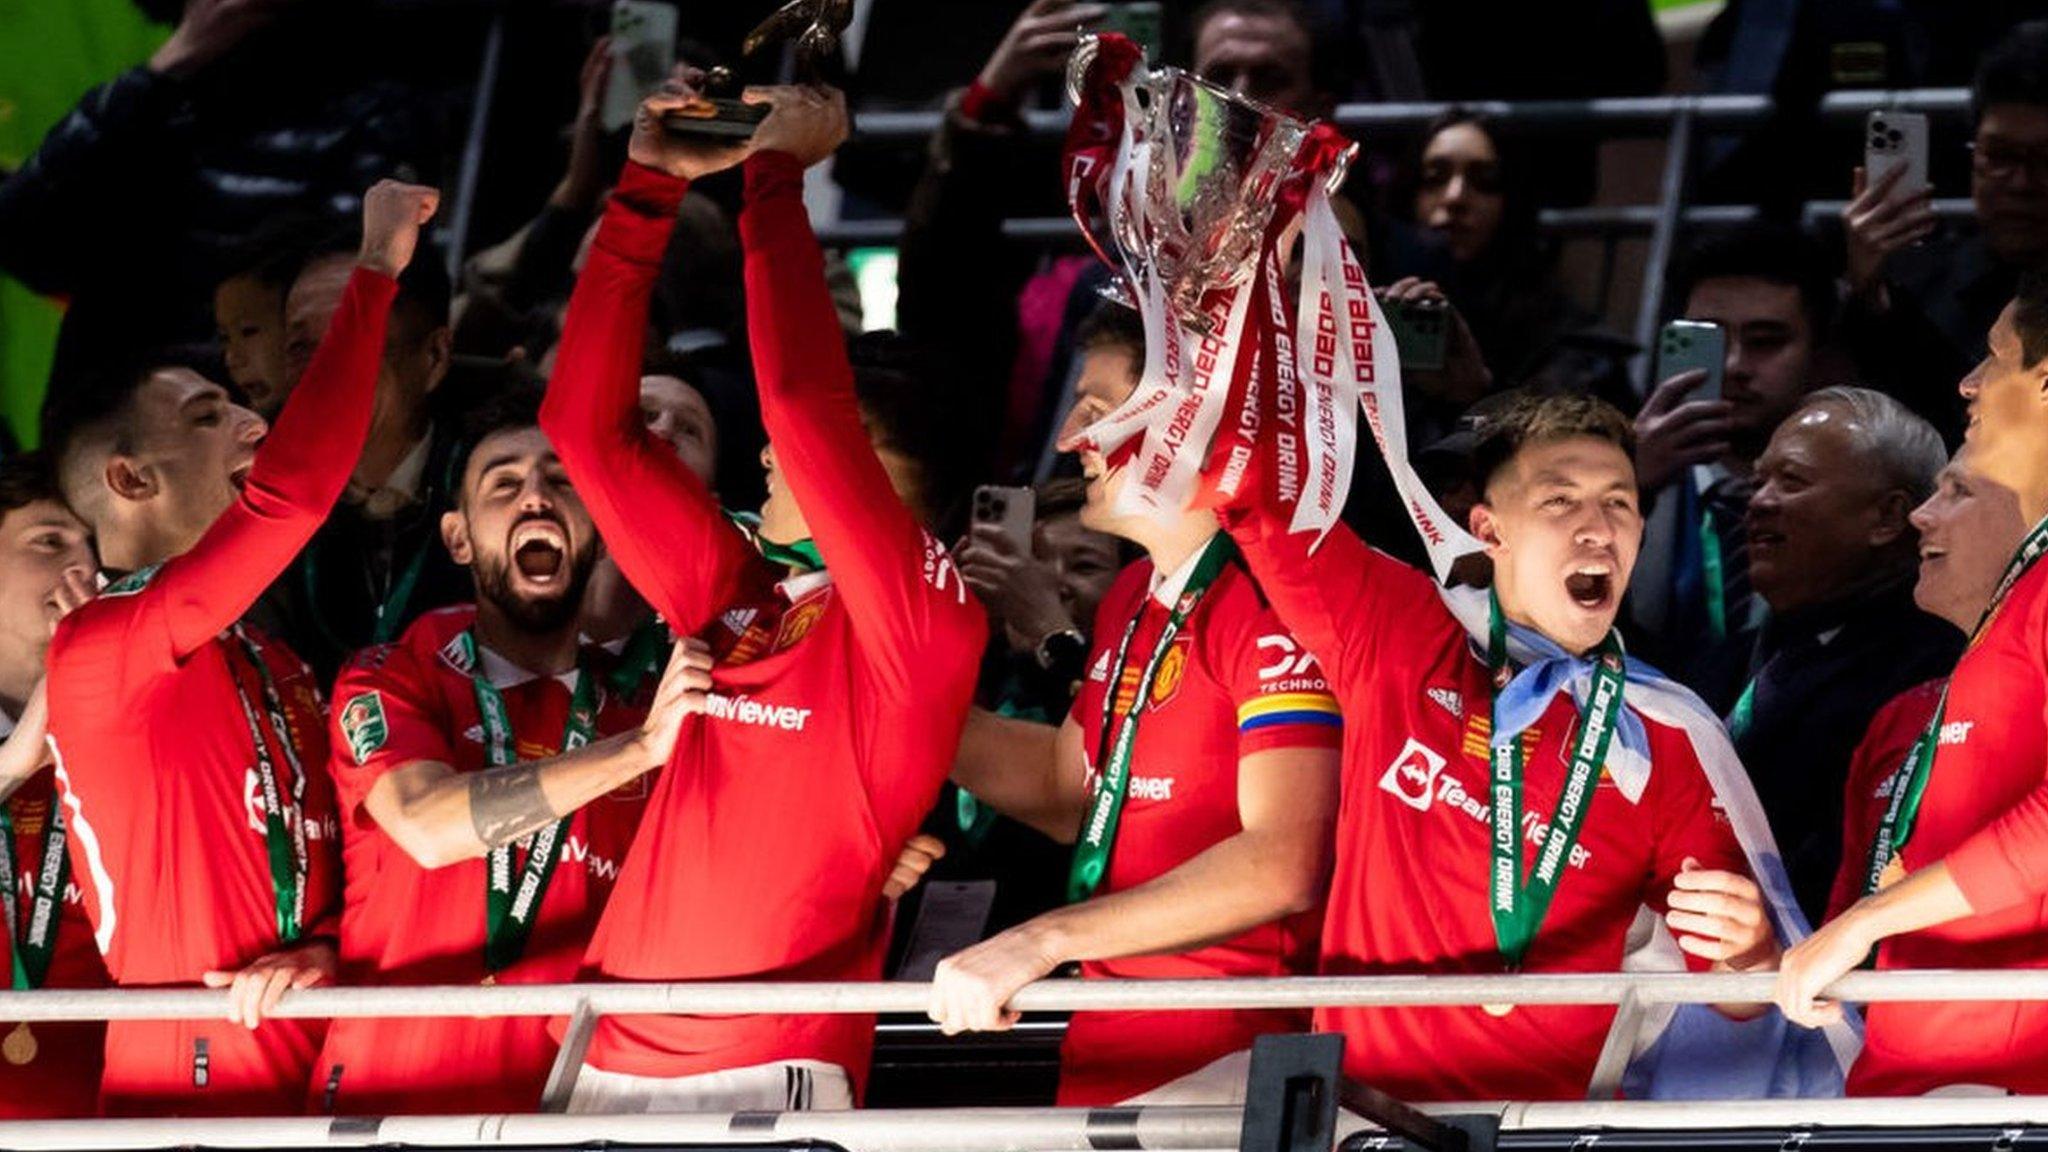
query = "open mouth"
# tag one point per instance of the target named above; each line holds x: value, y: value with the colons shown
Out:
x: 1590, y: 585
x: 239, y: 475
x: 1764, y: 539
x: 540, y: 551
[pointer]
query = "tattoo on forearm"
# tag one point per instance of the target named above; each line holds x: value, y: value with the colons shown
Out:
x: 507, y: 803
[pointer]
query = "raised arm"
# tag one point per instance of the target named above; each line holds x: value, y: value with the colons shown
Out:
x: 900, y: 584
x: 1343, y: 600
x: 657, y: 518
x: 305, y: 461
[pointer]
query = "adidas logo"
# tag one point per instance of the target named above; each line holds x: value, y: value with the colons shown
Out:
x: 1449, y: 699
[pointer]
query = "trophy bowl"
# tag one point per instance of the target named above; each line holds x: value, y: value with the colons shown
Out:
x: 1214, y: 165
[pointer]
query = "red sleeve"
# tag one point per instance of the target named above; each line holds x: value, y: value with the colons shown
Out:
x: 899, y: 583
x: 2006, y: 861
x: 385, y: 715
x: 1281, y: 697
x: 656, y: 517
x: 1344, y: 600
x: 1884, y: 747
x: 299, y: 473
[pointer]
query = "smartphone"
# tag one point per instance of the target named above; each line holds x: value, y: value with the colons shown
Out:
x: 1138, y: 19
x: 1894, y: 140
x: 1422, y: 330
x: 643, y: 54
x: 1011, y: 509
x: 1686, y: 345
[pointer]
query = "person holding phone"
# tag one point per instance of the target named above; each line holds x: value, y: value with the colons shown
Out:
x: 1766, y: 289
x: 1197, y: 777
x: 1920, y: 298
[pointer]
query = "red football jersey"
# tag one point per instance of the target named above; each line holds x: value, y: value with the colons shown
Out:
x: 1233, y: 683
x: 404, y: 924
x: 63, y: 1078
x: 839, y: 704
x: 1985, y: 813
x: 1410, y: 891
x: 156, y: 763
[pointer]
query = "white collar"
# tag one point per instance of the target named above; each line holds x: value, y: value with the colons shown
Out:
x: 795, y: 588
x: 1167, y: 588
x: 504, y: 675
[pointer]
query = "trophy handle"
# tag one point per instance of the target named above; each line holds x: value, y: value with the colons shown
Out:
x: 1078, y: 64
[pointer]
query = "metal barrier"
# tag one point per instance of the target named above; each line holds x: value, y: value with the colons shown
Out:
x: 722, y: 999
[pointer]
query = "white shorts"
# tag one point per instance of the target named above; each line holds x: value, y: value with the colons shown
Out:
x: 786, y: 1086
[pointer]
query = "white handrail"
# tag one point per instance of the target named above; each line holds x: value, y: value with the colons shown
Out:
x: 720, y: 999
x: 1159, y: 1128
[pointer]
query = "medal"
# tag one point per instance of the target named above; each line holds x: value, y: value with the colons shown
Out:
x: 20, y: 1046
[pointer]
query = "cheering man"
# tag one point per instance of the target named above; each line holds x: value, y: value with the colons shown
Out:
x: 1459, y: 851
x: 1198, y: 770
x: 1955, y: 873
x: 189, y: 749
x: 488, y: 768
x: 47, y: 1071
x: 847, y: 648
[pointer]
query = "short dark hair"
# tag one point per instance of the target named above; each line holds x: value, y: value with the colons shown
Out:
x: 26, y: 478
x: 1326, y: 57
x: 1528, y: 418
x: 2030, y: 315
x: 275, y: 252
x: 1775, y: 253
x: 2014, y: 70
x: 90, y: 410
x: 513, y: 407
x: 1112, y: 326
x: 1061, y: 496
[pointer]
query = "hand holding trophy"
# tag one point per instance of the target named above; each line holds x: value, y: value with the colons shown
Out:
x: 716, y: 109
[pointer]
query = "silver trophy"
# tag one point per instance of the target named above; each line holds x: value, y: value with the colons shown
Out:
x: 1214, y: 165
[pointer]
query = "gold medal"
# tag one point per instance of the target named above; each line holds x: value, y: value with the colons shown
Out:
x: 20, y: 1046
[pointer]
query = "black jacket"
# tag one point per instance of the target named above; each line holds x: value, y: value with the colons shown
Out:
x: 1821, y: 674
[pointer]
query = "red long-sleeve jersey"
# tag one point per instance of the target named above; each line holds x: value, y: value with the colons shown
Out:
x: 156, y: 762
x: 63, y: 1077
x: 403, y: 924
x: 1234, y: 684
x: 1985, y: 814
x: 1409, y: 893
x: 840, y: 703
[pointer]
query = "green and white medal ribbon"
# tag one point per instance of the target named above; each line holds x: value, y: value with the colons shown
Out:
x: 1909, y: 783
x: 284, y: 834
x: 1519, y: 907
x: 1116, y: 742
x: 509, y: 910
x: 33, y: 942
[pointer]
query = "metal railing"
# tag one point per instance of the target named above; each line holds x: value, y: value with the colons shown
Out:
x: 721, y: 999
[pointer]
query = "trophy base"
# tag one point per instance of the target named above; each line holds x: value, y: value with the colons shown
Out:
x: 716, y: 117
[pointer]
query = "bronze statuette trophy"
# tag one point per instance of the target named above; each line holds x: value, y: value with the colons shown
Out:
x: 817, y: 26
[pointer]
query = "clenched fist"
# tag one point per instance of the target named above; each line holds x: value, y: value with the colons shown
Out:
x: 393, y: 214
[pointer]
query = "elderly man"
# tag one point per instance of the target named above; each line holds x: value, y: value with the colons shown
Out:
x: 1832, y: 554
